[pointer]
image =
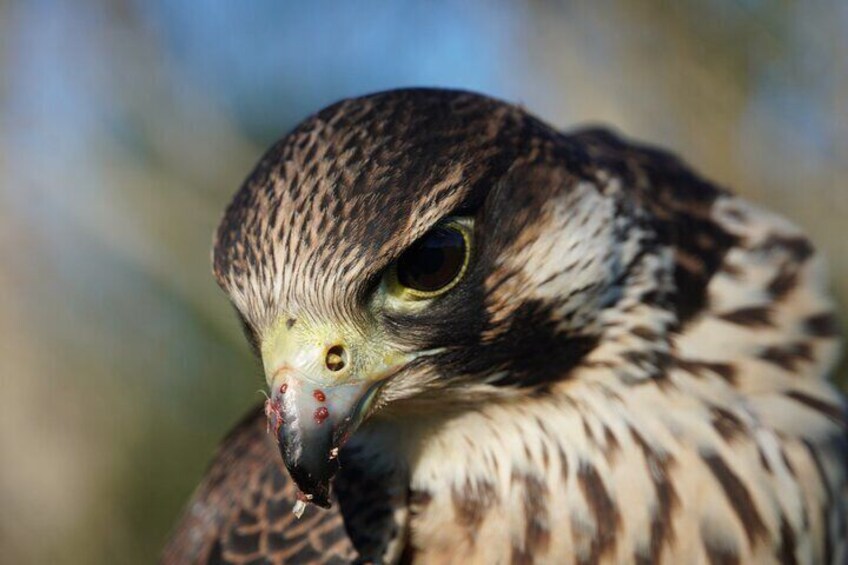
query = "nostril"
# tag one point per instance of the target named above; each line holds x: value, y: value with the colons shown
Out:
x: 336, y: 358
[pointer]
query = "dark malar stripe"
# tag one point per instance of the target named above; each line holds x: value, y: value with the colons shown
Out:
x: 738, y: 496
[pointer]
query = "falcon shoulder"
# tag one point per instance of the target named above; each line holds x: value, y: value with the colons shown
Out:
x: 242, y: 511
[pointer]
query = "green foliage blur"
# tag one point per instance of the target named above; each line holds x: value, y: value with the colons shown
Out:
x: 126, y: 126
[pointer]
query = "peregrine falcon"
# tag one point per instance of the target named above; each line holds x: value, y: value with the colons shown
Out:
x: 489, y: 341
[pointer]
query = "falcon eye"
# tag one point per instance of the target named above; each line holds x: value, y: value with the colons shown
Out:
x: 433, y: 264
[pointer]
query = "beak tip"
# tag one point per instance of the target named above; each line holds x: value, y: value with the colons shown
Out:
x: 311, y: 470
x: 319, y: 500
x: 310, y: 426
x: 310, y: 488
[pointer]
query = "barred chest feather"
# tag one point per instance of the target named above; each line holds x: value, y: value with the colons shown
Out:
x: 597, y: 476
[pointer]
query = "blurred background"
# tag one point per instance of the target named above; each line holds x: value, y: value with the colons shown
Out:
x: 126, y: 126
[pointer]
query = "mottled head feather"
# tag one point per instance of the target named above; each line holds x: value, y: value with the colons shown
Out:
x: 332, y: 203
x: 568, y: 229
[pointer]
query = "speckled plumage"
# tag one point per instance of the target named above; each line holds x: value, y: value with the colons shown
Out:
x: 634, y: 368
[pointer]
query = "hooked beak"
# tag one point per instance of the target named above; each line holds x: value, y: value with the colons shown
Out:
x: 322, y: 383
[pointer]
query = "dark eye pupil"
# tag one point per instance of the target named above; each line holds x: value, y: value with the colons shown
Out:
x: 432, y: 262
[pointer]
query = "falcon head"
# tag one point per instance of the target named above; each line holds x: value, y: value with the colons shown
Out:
x: 421, y: 252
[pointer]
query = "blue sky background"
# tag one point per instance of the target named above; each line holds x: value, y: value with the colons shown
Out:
x: 126, y: 125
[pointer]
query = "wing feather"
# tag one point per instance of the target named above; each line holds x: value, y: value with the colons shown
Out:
x: 242, y: 511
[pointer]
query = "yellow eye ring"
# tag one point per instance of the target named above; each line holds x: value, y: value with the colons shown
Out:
x: 434, y: 264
